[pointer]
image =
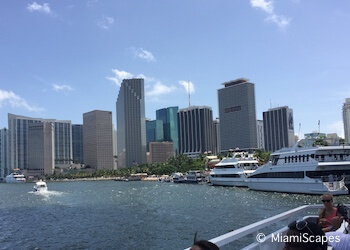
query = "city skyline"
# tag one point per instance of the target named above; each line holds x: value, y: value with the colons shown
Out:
x: 59, y: 55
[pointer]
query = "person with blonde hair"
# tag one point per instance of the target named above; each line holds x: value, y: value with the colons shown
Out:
x: 329, y: 217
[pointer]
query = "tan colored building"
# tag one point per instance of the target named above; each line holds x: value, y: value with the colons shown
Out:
x: 41, y: 148
x: 98, y: 139
x: 161, y: 151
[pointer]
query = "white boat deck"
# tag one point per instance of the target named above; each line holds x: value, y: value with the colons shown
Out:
x: 256, y: 229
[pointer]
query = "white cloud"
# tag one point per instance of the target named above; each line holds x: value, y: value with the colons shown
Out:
x: 62, y: 88
x: 119, y: 75
x: 267, y: 6
x: 160, y: 89
x: 8, y: 97
x: 105, y: 23
x: 143, y: 54
x: 189, y: 86
x: 44, y: 8
x: 281, y: 21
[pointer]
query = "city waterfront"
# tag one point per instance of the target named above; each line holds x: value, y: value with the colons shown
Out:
x: 132, y: 215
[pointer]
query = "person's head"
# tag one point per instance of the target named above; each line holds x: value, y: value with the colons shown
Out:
x: 204, y: 245
x: 303, y: 235
x: 327, y: 200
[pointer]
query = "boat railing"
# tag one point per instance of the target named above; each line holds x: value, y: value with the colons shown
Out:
x: 256, y: 228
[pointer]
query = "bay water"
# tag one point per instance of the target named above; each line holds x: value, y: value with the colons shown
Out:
x: 132, y: 215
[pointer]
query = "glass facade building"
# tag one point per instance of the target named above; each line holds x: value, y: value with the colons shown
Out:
x: 170, y: 125
x: 77, y: 143
x: 154, y: 132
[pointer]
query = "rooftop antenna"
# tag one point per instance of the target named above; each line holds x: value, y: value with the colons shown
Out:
x: 318, y: 126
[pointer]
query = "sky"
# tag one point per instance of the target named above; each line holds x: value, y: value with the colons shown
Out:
x: 60, y: 59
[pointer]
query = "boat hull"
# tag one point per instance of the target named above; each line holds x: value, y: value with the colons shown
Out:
x: 301, y: 186
x: 230, y: 182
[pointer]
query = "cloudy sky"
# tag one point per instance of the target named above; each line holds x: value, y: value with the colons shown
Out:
x: 60, y: 59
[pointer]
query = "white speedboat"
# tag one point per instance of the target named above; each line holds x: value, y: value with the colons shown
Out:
x: 233, y: 171
x: 15, y: 178
x: 314, y: 170
x: 40, y: 186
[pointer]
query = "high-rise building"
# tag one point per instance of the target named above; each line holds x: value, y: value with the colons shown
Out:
x: 77, y: 142
x: 98, y: 139
x: 131, y: 123
x: 217, y: 144
x: 4, y: 153
x: 154, y: 132
x: 346, y: 120
x: 260, y: 133
x: 237, y: 115
x: 195, y: 130
x: 18, y: 140
x: 161, y: 151
x: 170, y: 125
x: 278, y: 128
x: 41, y: 148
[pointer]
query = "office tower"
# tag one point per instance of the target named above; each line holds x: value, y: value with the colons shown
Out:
x: 260, y: 133
x: 131, y: 123
x: 237, y: 115
x: 216, y: 138
x: 346, y: 120
x: 170, y: 125
x: 195, y: 130
x: 161, y: 151
x: 18, y: 140
x: 278, y: 128
x: 154, y: 132
x: 98, y: 139
x: 77, y: 143
x: 41, y: 151
x: 4, y: 153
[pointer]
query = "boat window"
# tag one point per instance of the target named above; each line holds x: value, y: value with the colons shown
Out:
x: 299, y: 158
x: 303, y: 158
x: 312, y: 156
x: 285, y: 160
x: 307, y: 157
x: 288, y: 159
x: 274, y: 159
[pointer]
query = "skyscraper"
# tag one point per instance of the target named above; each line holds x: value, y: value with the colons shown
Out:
x: 131, y: 123
x: 170, y: 125
x: 217, y: 144
x: 278, y: 128
x: 98, y: 139
x: 4, y: 153
x: 77, y: 142
x: 154, y: 132
x: 18, y: 140
x: 260, y: 134
x: 346, y: 120
x: 237, y: 115
x: 41, y: 148
x: 195, y: 130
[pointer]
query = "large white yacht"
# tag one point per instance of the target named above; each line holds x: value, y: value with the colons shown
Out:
x: 233, y: 171
x: 15, y: 178
x: 312, y: 170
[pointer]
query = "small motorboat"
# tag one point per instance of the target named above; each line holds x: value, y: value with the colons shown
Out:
x: 40, y: 186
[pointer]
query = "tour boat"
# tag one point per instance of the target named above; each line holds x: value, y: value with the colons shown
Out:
x: 233, y: 171
x: 15, y: 178
x: 307, y: 170
x: 40, y: 186
x: 195, y: 176
x: 265, y: 235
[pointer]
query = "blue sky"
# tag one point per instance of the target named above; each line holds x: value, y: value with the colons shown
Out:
x: 60, y: 59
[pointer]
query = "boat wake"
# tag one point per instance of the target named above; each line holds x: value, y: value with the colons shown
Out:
x: 47, y: 193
